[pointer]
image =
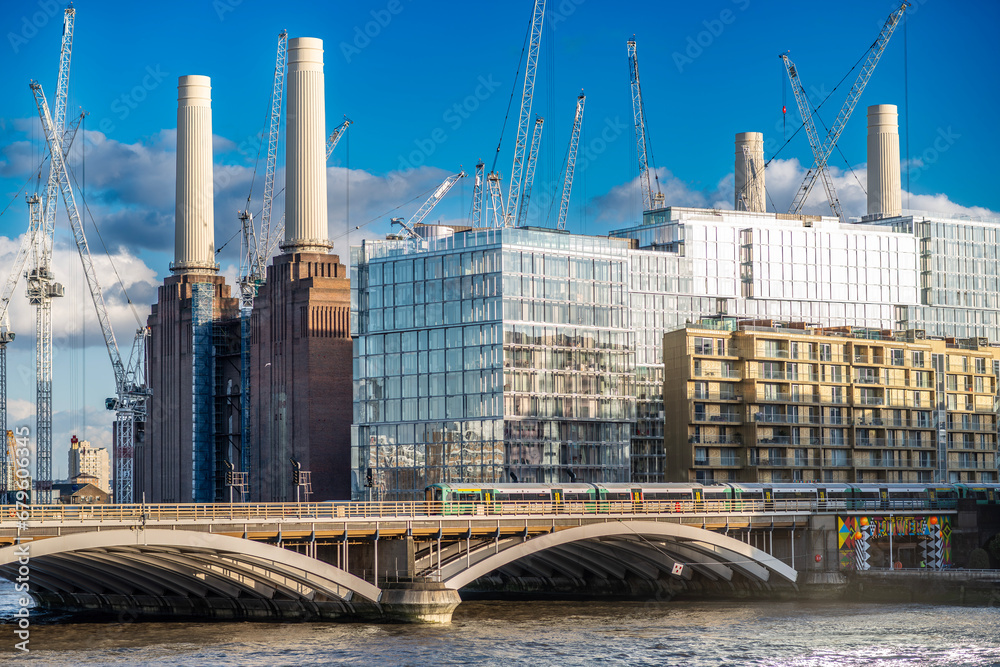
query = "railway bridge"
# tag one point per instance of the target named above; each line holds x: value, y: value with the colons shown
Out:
x: 395, y: 561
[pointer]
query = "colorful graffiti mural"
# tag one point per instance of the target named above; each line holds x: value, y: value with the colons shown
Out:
x: 856, y: 534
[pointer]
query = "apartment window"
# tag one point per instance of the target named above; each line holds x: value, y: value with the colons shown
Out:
x: 729, y: 457
x: 837, y: 394
x: 701, y: 390
x: 836, y: 373
x: 697, y: 368
x: 923, y: 419
x: 981, y: 365
x: 837, y: 436
x: 701, y: 456
x: 897, y: 357
x: 838, y: 457
x: 729, y: 370
x: 771, y: 391
x: 699, y: 412
x: 801, y: 458
x: 952, y: 401
x: 924, y: 460
x: 771, y: 370
x: 772, y: 348
x: 952, y: 383
x: 836, y: 416
x: 775, y: 455
x: 794, y: 353
x: 703, y: 345
x: 979, y: 384
x: 825, y: 352
x: 918, y: 359
x: 720, y: 346
x: 769, y: 413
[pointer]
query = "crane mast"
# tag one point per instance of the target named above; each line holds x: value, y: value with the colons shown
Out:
x: 477, y: 196
x: 649, y: 201
x: 496, y: 199
x: 574, y: 144
x: 821, y: 152
x: 132, y: 393
x: 41, y: 288
x: 529, y: 172
x: 514, y: 192
x: 255, y: 249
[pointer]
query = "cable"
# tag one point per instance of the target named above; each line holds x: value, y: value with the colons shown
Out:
x: 906, y: 107
x: 517, y: 75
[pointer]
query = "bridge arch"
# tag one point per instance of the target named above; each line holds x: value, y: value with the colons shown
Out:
x: 171, y: 570
x: 704, y: 550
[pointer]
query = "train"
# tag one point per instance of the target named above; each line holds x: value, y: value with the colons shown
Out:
x: 588, y: 497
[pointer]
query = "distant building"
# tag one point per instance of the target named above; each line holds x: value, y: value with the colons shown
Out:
x: 87, y: 460
x: 756, y: 401
x: 80, y: 490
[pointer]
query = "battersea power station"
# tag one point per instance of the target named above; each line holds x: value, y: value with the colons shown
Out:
x: 202, y: 443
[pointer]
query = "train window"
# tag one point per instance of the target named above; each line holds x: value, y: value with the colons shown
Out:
x: 469, y: 496
x: 576, y: 496
x: 619, y: 495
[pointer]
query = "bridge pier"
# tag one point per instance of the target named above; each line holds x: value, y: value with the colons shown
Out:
x: 418, y: 602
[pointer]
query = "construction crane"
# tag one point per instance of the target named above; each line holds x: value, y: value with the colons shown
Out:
x: 649, y: 201
x: 822, y: 151
x: 255, y: 249
x: 514, y: 193
x: 529, y: 172
x: 477, y: 196
x: 335, y: 136
x: 130, y: 385
x: 431, y: 202
x: 41, y: 288
x: 574, y: 144
x: 496, y: 199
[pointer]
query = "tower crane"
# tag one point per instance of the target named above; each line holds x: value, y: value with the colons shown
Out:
x: 477, y: 196
x: 41, y: 288
x: 574, y: 144
x: 432, y: 201
x: 335, y: 136
x: 496, y: 199
x: 821, y: 151
x: 255, y: 250
x: 649, y: 201
x: 514, y: 193
x: 529, y: 172
x: 130, y: 384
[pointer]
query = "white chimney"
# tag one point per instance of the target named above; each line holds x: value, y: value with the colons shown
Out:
x: 194, y: 217
x: 305, y: 149
x: 750, y: 172
x: 884, y: 190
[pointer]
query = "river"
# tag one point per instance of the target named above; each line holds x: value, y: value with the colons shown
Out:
x: 544, y: 633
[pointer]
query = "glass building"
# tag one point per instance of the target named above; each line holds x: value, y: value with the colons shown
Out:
x: 691, y: 263
x: 536, y: 355
x: 491, y: 355
x: 959, y: 274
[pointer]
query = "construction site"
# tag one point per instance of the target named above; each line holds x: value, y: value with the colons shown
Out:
x: 317, y: 377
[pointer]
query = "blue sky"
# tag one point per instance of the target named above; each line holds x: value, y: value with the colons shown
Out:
x: 427, y: 85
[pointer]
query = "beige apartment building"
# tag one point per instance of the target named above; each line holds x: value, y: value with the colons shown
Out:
x: 761, y: 401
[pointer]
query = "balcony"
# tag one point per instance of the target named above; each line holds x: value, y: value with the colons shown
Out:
x: 871, y: 400
x: 725, y: 417
x: 717, y: 396
x: 715, y: 440
x: 718, y: 462
x: 784, y: 462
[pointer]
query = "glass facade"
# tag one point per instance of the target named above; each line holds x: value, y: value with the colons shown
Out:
x: 692, y: 263
x: 488, y: 356
x: 959, y: 275
x: 536, y: 355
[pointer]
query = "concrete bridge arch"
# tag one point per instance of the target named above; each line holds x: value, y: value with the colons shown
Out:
x: 645, y: 548
x: 174, y: 572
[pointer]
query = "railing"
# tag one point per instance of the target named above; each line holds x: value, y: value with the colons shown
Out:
x: 132, y: 515
x: 718, y: 461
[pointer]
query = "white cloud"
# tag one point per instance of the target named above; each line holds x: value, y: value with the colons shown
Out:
x: 622, y: 205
